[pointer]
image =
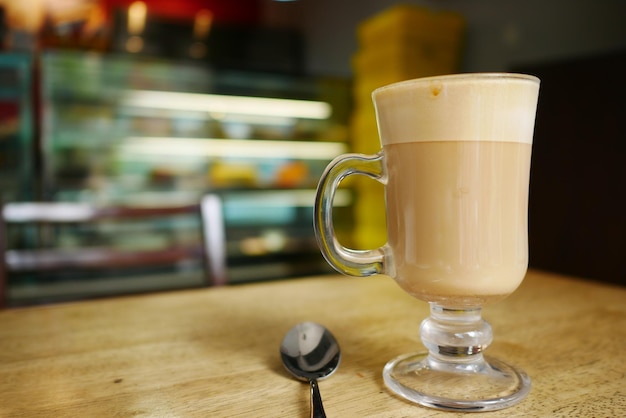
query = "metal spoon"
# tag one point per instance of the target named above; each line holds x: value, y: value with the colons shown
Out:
x: 310, y: 353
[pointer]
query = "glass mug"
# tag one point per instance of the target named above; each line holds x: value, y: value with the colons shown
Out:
x: 455, y: 163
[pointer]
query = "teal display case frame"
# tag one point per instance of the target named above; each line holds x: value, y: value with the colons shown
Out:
x: 17, y: 128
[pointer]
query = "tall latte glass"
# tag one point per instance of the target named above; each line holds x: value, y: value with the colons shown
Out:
x: 455, y: 163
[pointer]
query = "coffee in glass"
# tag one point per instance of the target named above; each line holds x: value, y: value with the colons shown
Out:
x: 455, y: 162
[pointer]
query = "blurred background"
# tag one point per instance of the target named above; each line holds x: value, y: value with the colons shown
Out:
x: 144, y: 102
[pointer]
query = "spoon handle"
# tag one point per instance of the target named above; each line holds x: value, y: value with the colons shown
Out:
x: 317, y: 409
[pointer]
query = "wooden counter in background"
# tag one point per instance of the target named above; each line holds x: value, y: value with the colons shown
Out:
x: 215, y: 352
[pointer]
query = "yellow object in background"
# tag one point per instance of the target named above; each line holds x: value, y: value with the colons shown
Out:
x: 232, y: 175
x: 407, y: 24
x: 400, y: 43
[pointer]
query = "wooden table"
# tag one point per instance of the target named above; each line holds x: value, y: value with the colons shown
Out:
x: 215, y: 352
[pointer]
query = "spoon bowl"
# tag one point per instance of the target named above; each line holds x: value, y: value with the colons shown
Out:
x: 310, y: 353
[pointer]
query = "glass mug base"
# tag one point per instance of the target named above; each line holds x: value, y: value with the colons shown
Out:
x: 479, y: 385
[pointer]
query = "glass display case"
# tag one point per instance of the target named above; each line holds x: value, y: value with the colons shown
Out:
x: 121, y: 130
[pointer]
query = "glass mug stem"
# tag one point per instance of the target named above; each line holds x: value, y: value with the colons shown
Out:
x: 456, y: 335
x: 359, y: 263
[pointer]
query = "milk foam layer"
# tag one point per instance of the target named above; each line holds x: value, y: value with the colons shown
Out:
x: 465, y: 107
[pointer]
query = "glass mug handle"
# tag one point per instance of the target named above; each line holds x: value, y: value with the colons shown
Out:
x: 358, y: 263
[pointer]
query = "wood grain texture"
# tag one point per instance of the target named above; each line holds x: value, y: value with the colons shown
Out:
x: 215, y: 352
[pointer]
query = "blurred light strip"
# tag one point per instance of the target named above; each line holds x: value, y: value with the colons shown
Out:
x: 223, y: 104
x: 229, y: 148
